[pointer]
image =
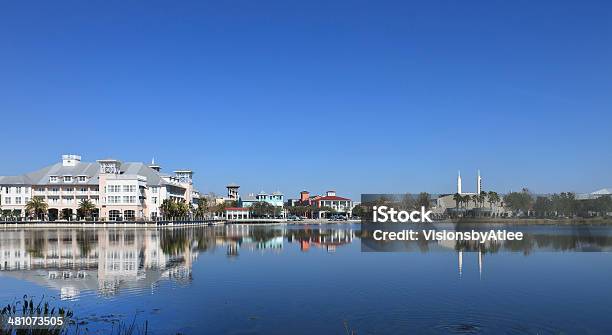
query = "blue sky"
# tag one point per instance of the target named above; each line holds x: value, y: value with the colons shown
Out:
x: 358, y: 96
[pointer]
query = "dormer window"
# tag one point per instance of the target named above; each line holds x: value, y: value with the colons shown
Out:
x: 53, y: 179
x: 67, y: 179
x: 82, y: 179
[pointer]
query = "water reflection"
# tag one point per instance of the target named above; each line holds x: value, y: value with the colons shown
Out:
x: 103, y: 260
x: 581, y: 238
x: 108, y: 261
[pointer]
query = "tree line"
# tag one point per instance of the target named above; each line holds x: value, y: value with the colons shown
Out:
x: 562, y: 204
x: 404, y: 202
x: 479, y: 200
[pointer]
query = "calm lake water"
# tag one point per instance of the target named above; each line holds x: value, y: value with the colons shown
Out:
x: 314, y: 280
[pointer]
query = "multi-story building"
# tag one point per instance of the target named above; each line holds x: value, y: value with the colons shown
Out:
x: 276, y: 199
x: 321, y: 204
x: 338, y: 204
x: 120, y: 191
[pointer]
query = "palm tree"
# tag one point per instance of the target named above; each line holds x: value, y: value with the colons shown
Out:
x: 36, y: 206
x: 86, y: 207
x: 493, y: 198
x: 475, y: 200
x: 458, y: 199
x: 482, y: 197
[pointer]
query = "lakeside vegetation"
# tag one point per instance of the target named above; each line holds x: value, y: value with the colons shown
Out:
x: 516, y: 205
x: 493, y: 207
x: 27, y: 308
x: 558, y: 205
x: 70, y: 326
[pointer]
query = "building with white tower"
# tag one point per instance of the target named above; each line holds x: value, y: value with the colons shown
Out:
x: 478, y: 185
x: 119, y: 190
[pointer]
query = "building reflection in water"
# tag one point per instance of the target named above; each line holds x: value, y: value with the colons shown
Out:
x: 103, y: 260
x: 107, y: 261
x: 328, y: 239
x: 251, y: 238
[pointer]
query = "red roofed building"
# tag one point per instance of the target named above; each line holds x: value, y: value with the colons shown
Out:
x: 338, y: 204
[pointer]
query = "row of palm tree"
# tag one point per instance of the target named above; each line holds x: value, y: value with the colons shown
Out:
x: 38, y: 208
x: 479, y: 200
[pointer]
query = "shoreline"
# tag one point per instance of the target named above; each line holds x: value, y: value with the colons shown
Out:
x: 163, y: 224
x: 177, y: 224
x: 106, y: 224
x: 543, y: 221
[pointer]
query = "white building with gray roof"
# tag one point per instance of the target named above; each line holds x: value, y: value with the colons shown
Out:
x: 120, y: 191
x: 594, y: 195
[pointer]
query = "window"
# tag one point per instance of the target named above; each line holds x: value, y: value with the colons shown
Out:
x: 7, y: 200
x: 83, y: 189
x: 129, y: 215
x: 114, y: 188
x: 154, y: 189
x: 129, y: 188
x: 129, y: 199
x: 114, y: 215
x: 26, y: 200
x: 82, y: 179
x: 154, y: 200
x: 69, y: 189
x: 53, y: 179
x: 113, y: 199
x: 18, y: 200
x: 67, y: 179
x: 41, y: 189
x: 18, y: 189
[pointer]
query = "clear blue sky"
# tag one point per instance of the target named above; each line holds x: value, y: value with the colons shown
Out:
x: 358, y: 96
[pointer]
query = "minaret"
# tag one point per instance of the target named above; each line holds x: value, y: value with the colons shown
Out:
x: 460, y: 263
x: 480, y: 263
x: 478, y: 184
x: 459, y: 182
